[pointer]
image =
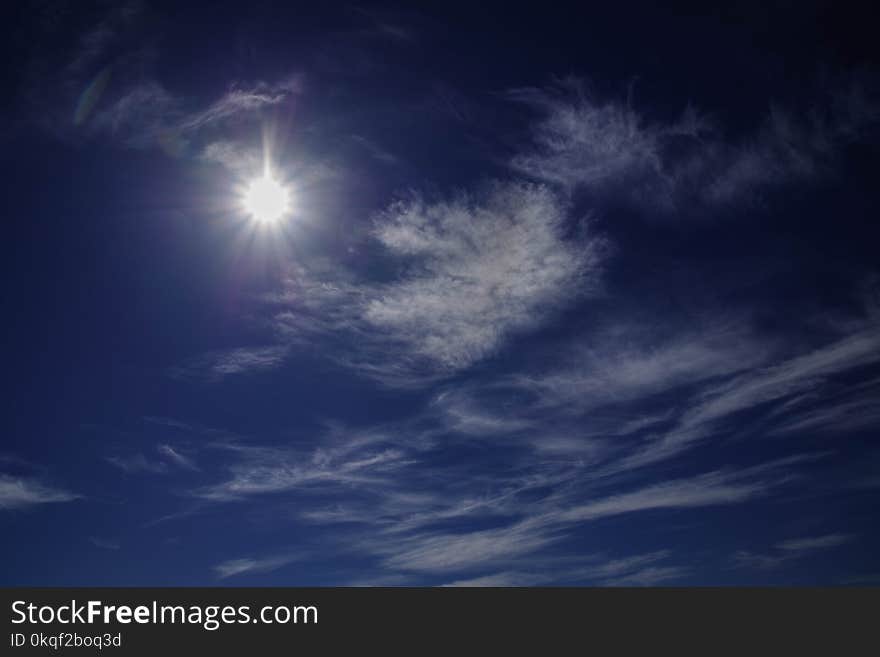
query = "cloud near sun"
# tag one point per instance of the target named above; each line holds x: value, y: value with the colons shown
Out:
x: 483, y: 265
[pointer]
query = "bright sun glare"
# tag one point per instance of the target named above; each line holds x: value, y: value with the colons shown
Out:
x: 266, y: 200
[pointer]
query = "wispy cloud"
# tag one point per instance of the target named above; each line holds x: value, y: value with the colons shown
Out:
x: 710, y: 489
x: 446, y: 552
x: 716, y: 372
x: 475, y: 270
x: 411, y: 528
x: 486, y: 269
x: 76, y: 57
x: 630, y: 363
x: 235, y: 156
x: 386, y: 25
x: 795, y: 376
x: 176, y: 457
x: 240, y: 101
x: 261, y: 470
x: 607, y: 391
x: 250, y: 565
x: 550, y: 520
x: 607, y: 146
x: 811, y: 543
x: 635, y: 570
x: 461, y: 412
x: 650, y: 576
x: 707, y: 490
x: 583, y: 141
x: 168, y: 458
x: 96, y: 74
x: 137, y: 463
x: 104, y: 543
x: 374, y: 150
x: 850, y: 409
x: 23, y: 492
x: 94, y: 42
x: 142, y: 117
x: 218, y: 365
x: 792, y: 376
x: 789, y: 550
x: 504, y: 579
x: 148, y: 115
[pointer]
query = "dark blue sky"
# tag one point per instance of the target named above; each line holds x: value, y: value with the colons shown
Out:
x: 563, y: 296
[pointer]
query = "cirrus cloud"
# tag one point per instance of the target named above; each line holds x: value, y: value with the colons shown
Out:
x: 24, y: 492
x: 473, y: 271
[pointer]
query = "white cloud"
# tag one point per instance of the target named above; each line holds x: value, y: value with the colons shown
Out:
x: 260, y: 470
x: 218, y: 365
x: 710, y: 489
x: 598, y: 396
x: 631, y: 363
x: 635, y: 570
x: 583, y: 141
x: 21, y: 492
x: 650, y: 576
x: 850, y: 409
x: 583, y: 408
x: 142, y: 116
x: 462, y: 412
x: 609, y: 147
x: 626, y: 565
x: 540, y: 507
x: 139, y: 463
x: 239, y: 101
x: 790, y: 549
x: 550, y: 520
x: 583, y: 405
x: 148, y: 115
x: 176, y: 457
x: 374, y: 150
x: 746, y: 559
x: 812, y: 543
x: 473, y: 272
x: 440, y: 552
x: 796, y: 376
x: 246, y: 159
x: 505, y: 579
x: 425, y: 494
x: 484, y: 270
x: 242, y: 566
x: 790, y: 377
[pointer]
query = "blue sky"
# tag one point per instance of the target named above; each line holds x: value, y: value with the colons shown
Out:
x: 561, y: 299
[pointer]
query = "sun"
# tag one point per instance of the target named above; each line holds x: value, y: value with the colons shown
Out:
x: 266, y: 200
